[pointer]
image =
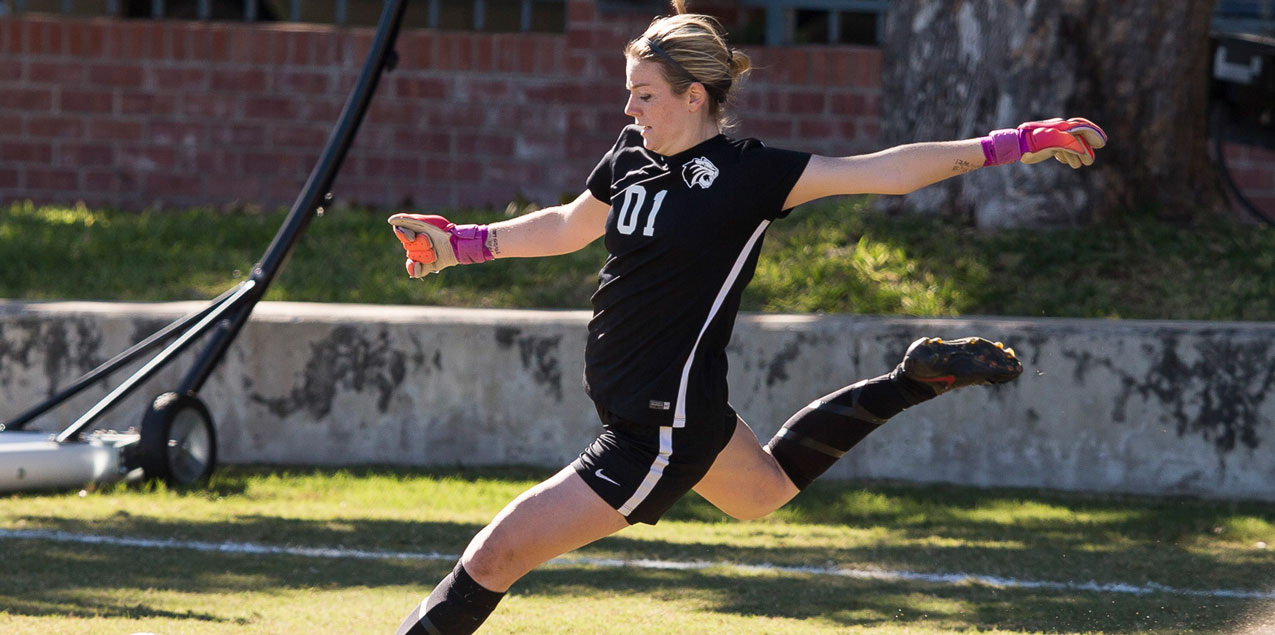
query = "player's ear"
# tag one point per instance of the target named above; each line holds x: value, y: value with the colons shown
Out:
x: 696, y: 97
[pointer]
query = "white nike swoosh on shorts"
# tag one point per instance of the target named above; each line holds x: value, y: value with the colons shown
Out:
x: 598, y: 473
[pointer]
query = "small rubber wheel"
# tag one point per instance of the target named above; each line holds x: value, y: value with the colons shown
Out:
x: 177, y: 445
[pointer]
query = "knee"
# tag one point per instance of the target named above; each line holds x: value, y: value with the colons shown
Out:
x: 751, y: 509
x: 761, y: 498
x: 750, y: 512
x: 491, y: 560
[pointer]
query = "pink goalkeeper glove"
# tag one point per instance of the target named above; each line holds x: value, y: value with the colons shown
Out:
x: 1071, y: 141
x: 434, y: 243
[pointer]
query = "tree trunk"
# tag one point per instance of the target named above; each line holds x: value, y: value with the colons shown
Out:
x: 1138, y: 68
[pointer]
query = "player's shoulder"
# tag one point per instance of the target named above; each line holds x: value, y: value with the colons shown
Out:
x: 747, y: 144
x: 628, y: 143
x: 746, y: 148
x: 630, y: 135
x: 753, y: 152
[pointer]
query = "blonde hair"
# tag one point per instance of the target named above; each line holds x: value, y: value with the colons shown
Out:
x: 691, y: 47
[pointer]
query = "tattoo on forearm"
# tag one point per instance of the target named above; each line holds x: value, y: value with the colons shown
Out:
x: 493, y: 242
x: 962, y: 166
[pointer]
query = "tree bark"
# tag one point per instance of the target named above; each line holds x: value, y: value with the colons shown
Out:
x: 1138, y: 68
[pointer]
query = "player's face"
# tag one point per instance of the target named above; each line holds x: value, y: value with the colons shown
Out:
x: 668, y: 121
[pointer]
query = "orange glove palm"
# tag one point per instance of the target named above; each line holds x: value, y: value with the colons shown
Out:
x: 434, y: 243
x: 427, y: 240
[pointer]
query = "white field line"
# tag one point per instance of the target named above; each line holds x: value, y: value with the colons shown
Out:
x: 859, y: 574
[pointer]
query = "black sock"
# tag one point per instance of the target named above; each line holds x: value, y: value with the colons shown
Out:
x: 814, y: 438
x: 458, y: 606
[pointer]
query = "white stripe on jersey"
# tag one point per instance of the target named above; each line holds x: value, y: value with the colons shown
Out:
x: 657, y: 470
x: 679, y: 413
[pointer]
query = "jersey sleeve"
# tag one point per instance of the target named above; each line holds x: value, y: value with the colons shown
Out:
x: 783, y: 168
x: 600, y: 180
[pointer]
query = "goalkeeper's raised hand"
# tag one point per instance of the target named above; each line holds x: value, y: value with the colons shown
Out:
x: 1071, y: 141
x: 434, y: 243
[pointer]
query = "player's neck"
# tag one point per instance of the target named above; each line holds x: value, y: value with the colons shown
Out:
x: 703, y: 131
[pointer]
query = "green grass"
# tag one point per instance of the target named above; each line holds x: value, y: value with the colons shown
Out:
x: 829, y: 258
x: 53, y: 587
x: 834, y: 257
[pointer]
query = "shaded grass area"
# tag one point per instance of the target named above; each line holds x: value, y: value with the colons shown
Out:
x: 198, y: 593
x: 835, y: 257
x: 1023, y: 534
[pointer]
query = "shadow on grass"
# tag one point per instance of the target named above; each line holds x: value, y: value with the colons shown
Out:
x: 81, y: 608
x: 862, y: 603
x: 1056, y: 537
x: 60, y: 579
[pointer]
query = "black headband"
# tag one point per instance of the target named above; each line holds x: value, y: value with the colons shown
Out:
x: 716, y: 93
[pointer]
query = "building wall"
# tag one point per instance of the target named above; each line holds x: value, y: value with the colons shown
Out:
x: 1253, y: 170
x: 174, y: 113
x: 137, y: 113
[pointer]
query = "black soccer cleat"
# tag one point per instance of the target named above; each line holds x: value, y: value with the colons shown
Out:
x: 970, y: 361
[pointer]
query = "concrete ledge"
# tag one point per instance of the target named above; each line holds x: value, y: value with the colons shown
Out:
x: 1125, y: 406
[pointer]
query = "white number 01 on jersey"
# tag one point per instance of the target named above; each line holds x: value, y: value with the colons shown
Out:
x: 634, y: 198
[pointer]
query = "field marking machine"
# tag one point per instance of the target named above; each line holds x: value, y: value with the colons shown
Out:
x: 176, y: 441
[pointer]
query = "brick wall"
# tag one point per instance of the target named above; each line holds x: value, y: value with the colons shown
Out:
x: 140, y: 113
x: 1253, y: 170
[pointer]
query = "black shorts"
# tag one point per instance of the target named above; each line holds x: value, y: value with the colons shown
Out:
x: 641, y: 470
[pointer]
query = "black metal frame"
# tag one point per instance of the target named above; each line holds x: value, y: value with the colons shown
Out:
x: 1239, y: 104
x: 227, y: 313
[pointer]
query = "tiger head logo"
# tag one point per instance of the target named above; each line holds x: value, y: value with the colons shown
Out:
x: 699, y: 171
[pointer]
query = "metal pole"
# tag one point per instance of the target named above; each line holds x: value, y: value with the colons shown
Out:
x: 320, y: 180
x: 242, y: 298
x: 113, y: 364
x: 315, y: 192
x: 225, y: 333
x: 73, y: 431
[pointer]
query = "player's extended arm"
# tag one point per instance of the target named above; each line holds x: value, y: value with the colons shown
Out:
x: 433, y: 243
x: 907, y: 168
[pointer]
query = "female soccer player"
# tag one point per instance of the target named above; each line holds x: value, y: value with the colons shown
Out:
x: 683, y: 208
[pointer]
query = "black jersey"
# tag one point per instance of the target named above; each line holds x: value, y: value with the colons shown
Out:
x: 683, y: 236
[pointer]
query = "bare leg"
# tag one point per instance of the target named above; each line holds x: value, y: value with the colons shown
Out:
x: 557, y: 516
x: 554, y: 517
x: 744, y: 460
